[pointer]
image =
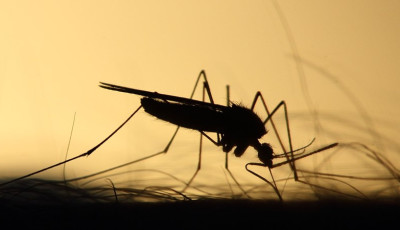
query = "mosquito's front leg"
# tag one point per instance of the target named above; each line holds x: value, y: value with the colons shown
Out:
x: 269, y: 118
x: 273, y: 185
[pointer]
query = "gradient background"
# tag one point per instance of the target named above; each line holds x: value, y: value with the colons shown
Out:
x: 53, y: 54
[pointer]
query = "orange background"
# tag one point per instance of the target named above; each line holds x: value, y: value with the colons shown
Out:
x: 53, y: 54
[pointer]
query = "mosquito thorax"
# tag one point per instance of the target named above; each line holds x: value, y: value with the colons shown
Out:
x: 243, y: 123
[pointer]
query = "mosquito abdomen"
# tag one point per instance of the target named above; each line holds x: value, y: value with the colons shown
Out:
x: 196, y: 117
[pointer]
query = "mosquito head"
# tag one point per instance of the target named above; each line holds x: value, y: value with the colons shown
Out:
x: 265, y: 153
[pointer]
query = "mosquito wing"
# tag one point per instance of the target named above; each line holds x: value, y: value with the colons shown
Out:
x: 158, y: 95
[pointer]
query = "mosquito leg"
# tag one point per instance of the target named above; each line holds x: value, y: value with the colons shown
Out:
x: 165, y: 150
x: 226, y: 162
x: 90, y: 151
x: 198, y: 165
x: 228, y: 102
x: 269, y: 118
x: 273, y: 185
x: 206, y: 90
x: 206, y: 85
x: 202, y: 74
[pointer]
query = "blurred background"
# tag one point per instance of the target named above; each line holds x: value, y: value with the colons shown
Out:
x: 336, y: 64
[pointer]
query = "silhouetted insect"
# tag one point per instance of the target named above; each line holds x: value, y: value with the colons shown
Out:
x: 236, y: 126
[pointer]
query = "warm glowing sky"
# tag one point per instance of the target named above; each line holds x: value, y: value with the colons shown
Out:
x: 54, y: 53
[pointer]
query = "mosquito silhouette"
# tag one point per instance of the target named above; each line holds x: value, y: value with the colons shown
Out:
x: 235, y: 127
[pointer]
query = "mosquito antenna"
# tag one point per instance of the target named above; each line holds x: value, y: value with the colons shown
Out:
x: 295, y: 150
x: 79, y: 156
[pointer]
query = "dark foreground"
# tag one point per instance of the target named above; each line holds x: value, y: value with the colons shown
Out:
x: 205, y: 214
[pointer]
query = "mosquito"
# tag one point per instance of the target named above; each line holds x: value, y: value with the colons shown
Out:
x: 236, y: 126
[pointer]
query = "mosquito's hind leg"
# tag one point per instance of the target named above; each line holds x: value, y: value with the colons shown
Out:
x: 273, y: 185
x: 90, y: 151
